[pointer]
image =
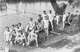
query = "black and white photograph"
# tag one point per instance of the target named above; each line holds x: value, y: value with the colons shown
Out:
x: 39, y: 25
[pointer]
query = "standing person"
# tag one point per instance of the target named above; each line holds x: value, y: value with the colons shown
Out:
x: 46, y: 25
x: 54, y: 23
x: 57, y: 18
x: 44, y: 14
x: 32, y: 36
x: 51, y: 18
x: 7, y: 34
x: 30, y: 25
x: 64, y: 19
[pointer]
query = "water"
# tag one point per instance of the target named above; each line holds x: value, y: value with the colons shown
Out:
x: 21, y: 12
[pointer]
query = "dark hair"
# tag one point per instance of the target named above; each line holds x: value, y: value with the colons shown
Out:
x: 19, y: 23
x: 31, y: 18
x: 12, y: 25
x: 7, y: 27
x: 39, y: 15
x: 16, y: 25
x: 44, y: 11
x: 49, y: 10
x: 68, y: 12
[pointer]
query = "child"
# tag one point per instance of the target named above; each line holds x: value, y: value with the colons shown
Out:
x: 16, y: 28
x: 22, y: 38
x: 32, y: 36
x: 57, y: 18
x: 13, y: 35
x: 64, y: 19
x: 30, y: 25
x: 20, y: 26
x: 12, y: 27
x: 51, y: 18
x: 7, y: 34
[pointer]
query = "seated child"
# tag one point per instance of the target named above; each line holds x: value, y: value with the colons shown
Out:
x: 31, y: 37
x: 13, y: 35
x: 20, y: 26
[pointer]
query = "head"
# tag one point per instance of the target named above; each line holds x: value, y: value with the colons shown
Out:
x: 39, y: 15
x: 56, y: 13
x: 69, y: 13
x: 14, y: 31
x: 31, y: 19
x: 12, y: 26
x: 7, y: 28
x: 50, y: 11
x: 19, y: 24
x: 21, y: 32
x: 34, y: 24
x: 44, y: 12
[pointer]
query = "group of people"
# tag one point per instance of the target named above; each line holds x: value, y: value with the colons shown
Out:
x: 44, y: 22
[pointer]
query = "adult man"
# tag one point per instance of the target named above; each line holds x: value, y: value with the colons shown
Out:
x: 46, y: 25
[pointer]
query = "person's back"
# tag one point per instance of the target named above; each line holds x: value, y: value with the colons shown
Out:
x: 50, y: 15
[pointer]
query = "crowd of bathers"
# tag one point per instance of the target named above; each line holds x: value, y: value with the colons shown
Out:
x: 44, y: 22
